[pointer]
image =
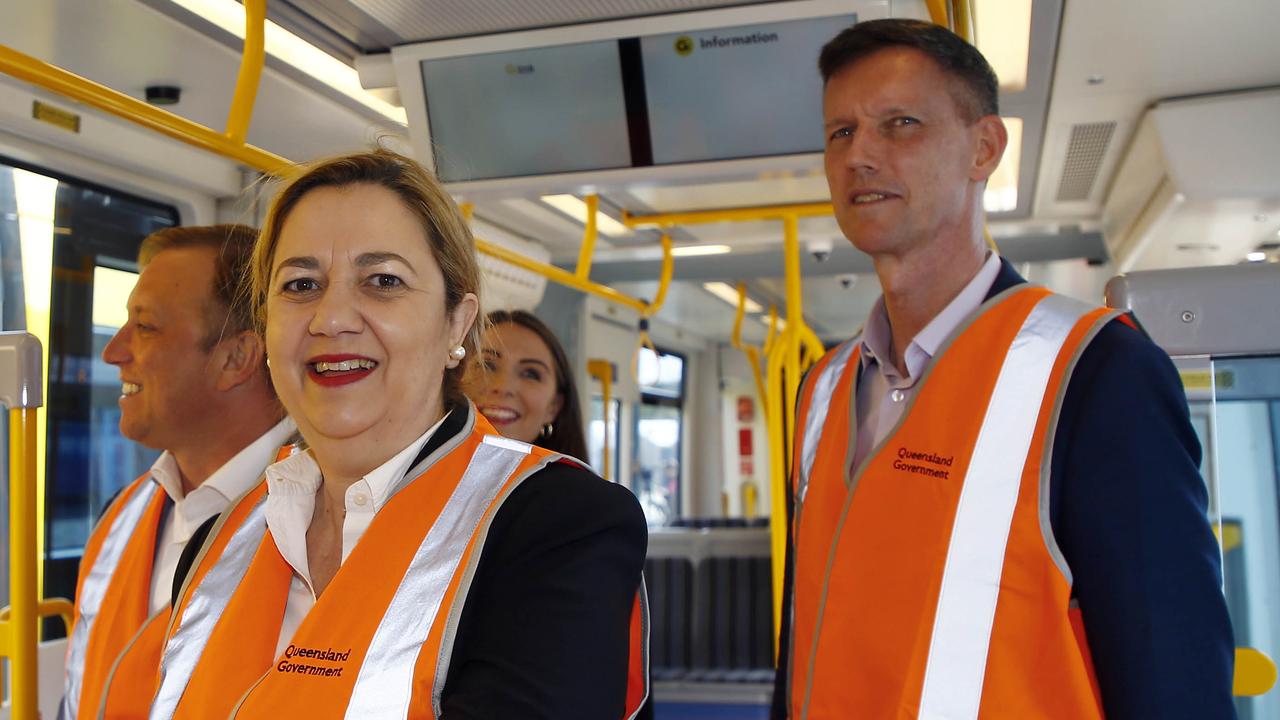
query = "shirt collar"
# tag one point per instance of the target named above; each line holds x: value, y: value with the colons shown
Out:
x: 299, y: 474
x: 236, y: 476
x: 876, y: 335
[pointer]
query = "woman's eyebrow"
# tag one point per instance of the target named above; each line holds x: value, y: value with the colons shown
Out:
x: 535, y: 361
x: 305, y: 262
x: 378, y: 258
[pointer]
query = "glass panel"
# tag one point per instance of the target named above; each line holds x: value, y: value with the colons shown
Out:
x: 660, y: 374
x: 65, y: 245
x: 595, y: 435
x: 1240, y: 430
x: 656, y: 474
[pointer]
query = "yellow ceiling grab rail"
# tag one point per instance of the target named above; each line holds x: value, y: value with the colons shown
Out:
x: 53, y: 78
x: 752, y: 352
x: 251, y: 61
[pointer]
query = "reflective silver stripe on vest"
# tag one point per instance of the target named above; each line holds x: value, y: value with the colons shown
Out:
x: 95, y: 590
x: 208, y: 600
x: 958, y: 652
x: 384, y: 685
x: 823, y: 387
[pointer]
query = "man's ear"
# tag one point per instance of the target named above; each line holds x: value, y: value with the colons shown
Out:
x: 990, y: 139
x: 238, y: 359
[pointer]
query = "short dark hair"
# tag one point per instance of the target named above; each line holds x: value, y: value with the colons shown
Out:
x: 232, y: 246
x: 566, y: 436
x: 952, y: 54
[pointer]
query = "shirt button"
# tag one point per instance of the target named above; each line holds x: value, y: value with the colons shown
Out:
x: 361, y: 499
x: 897, y: 395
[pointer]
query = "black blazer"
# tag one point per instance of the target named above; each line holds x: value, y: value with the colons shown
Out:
x: 544, y: 632
x: 1127, y: 507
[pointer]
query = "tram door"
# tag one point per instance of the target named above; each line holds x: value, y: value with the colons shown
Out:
x: 67, y: 265
x: 1221, y: 327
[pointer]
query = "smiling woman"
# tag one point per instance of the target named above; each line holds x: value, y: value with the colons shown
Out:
x: 425, y: 565
x: 524, y: 386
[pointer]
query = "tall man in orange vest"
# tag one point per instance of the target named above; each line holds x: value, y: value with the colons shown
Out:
x: 194, y: 383
x: 995, y: 508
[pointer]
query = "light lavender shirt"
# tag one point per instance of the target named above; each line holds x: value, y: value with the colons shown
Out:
x: 884, y: 389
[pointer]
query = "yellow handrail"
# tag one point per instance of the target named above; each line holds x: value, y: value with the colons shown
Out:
x: 588, y: 248
x: 602, y: 370
x: 19, y: 631
x: 37, y: 72
x: 784, y: 362
x: 777, y: 468
x: 938, y: 12
x: 49, y: 607
x: 251, y: 61
x: 752, y: 353
x: 772, y: 335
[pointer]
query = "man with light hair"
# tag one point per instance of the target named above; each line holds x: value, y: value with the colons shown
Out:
x: 194, y: 383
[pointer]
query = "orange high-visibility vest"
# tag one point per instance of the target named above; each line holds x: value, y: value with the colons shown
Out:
x: 132, y: 681
x: 927, y: 583
x: 378, y: 642
x: 113, y: 594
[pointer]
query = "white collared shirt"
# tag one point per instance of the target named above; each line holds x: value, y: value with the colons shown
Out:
x: 190, y: 510
x: 292, y: 485
x: 884, y: 390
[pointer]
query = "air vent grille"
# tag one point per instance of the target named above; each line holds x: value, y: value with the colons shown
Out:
x: 1085, y: 151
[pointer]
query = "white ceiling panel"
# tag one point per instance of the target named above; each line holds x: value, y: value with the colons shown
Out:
x: 416, y: 20
x: 126, y: 45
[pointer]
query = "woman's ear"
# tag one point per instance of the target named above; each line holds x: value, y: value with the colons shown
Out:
x: 553, y: 410
x: 461, y: 318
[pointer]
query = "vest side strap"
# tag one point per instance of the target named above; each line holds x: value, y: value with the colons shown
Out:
x: 95, y: 590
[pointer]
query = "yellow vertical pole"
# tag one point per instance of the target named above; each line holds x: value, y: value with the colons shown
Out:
x: 251, y: 61
x: 588, y: 238
x: 784, y: 364
x: 602, y: 370
x: 23, y: 560
x: 777, y: 481
x: 795, y: 320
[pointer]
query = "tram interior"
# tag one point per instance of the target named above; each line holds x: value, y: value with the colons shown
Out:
x: 1145, y: 142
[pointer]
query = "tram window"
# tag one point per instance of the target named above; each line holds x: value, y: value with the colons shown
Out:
x: 69, y: 249
x: 1240, y: 432
x: 659, y: 424
x: 595, y: 435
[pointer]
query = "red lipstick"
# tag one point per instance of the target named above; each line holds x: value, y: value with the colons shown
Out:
x: 333, y: 377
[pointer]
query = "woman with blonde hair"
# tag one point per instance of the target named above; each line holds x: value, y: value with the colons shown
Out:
x: 407, y: 561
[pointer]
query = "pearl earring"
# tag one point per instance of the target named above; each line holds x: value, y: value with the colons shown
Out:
x: 458, y: 353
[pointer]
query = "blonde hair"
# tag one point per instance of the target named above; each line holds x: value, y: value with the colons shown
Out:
x: 447, y: 232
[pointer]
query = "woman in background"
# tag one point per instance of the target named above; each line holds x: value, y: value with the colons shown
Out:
x: 523, y: 384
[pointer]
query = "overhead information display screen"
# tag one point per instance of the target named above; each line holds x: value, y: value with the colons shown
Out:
x: 527, y: 112
x: 739, y: 92
x: 708, y: 95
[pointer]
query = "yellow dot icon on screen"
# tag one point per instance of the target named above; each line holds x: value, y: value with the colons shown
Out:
x: 684, y: 45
